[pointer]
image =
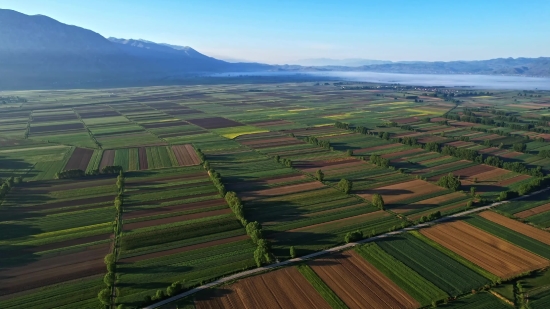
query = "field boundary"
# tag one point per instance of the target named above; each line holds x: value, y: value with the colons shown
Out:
x: 331, y: 250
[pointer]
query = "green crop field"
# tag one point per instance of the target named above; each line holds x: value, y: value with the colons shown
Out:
x: 304, y: 161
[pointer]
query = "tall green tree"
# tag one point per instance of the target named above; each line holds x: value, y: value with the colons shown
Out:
x: 320, y: 175
x: 345, y: 185
x: 378, y: 201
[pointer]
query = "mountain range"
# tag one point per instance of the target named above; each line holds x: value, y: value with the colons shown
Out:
x: 38, y: 51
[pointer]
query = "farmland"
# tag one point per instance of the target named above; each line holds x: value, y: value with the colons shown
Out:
x: 220, y: 179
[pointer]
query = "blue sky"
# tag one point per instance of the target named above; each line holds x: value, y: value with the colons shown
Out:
x: 284, y: 31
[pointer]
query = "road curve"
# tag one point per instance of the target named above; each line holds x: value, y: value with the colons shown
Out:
x: 327, y: 251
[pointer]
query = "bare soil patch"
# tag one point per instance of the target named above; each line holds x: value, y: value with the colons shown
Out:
x: 433, y: 202
x: 214, y: 123
x: 107, y: 159
x: 247, y: 196
x: 142, y: 153
x: 53, y: 270
x: 284, y: 288
x: 401, y: 191
x: 485, y: 250
x: 517, y: 226
x: 533, y: 211
x: 513, y: 180
x: 186, y: 155
x: 359, y: 284
x: 79, y: 159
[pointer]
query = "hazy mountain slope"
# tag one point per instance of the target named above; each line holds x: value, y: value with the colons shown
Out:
x: 504, y: 66
x: 38, y: 49
x: 178, y: 60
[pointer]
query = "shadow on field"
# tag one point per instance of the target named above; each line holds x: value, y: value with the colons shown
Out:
x: 343, y: 146
x: 282, y: 242
x: 9, y: 164
x: 383, y: 191
x: 274, y: 212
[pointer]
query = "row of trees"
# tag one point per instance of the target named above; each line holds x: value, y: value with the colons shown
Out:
x: 315, y: 141
x: 8, y: 184
x: 283, y: 161
x: 77, y: 173
x: 105, y: 295
x: 262, y: 254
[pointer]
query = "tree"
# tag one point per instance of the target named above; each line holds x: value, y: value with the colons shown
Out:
x: 320, y: 175
x: 109, y: 258
x: 472, y: 191
x: 261, y: 254
x: 378, y: 201
x: 292, y: 252
x: 353, y: 236
x: 254, y: 230
x: 109, y: 279
x: 520, y: 147
x: 174, y: 288
x: 104, y: 296
x: 450, y: 182
x: 349, y: 152
x: 345, y: 185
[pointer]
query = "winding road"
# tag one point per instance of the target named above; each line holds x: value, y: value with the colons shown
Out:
x: 258, y: 270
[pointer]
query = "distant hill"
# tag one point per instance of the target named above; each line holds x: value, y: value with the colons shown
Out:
x: 500, y: 66
x: 38, y: 51
x: 353, y: 62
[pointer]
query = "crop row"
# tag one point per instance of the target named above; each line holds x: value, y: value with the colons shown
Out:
x: 414, y: 284
x: 509, y: 235
x: 446, y: 273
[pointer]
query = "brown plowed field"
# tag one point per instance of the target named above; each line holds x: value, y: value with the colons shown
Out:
x: 474, y: 170
x: 485, y: 250
x: 57, y: 127
x: 439, y: 167
x: 401, y: 191
x: 359, y: 284
x: 79, y: 159
x: 174, y: 208
x: 107, y: 159
x: 285, y: 288
x: 67, y: 184
x: 186, y: 155
x: 459, y: 144
x: 487, y: 176
x: 214, y: 123
x: 402, y: 153
x: 511, y: 154
x: 533, y: 211
x: 512, y: 180
x: 142, y: 152
x: 434, y: 202
x: 525, y: 229
x: 183, y: 249
x: 182, y: 218
x: 341, y: 222
x: 405, y: 120
x: 53, y: 270
x: 247, y: 196
x: 338, y: 167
